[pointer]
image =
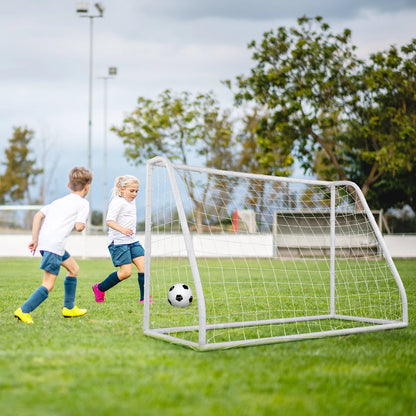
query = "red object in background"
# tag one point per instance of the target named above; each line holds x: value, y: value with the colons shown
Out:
x: 235, y: 221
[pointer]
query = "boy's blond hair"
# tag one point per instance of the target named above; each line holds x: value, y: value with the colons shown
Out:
x: 79, y: 178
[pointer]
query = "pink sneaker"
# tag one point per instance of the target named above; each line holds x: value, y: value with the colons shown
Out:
x: 99, y: 296
x: 150, y: 300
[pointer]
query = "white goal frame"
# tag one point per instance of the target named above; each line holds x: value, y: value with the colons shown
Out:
x: 172, y: 333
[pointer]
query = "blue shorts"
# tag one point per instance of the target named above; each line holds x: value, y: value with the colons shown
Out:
x: 51, y: 262
x: 125, y: 253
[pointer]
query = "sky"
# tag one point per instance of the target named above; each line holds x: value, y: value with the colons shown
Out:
x: 183, y: 45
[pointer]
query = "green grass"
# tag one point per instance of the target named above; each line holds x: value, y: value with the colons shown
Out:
x: 244, y: 290
x: 102, y: 364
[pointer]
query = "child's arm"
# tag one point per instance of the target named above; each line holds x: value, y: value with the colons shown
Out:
x: 37, y: 224
x: 79, y: 226
x: 123, y: 230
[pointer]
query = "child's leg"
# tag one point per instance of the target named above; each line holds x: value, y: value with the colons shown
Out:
x: 110, y: 281
x: 115, y: 277
x: 70, y: 283
x: 139, y: 263
x: 70, y: 310
x: 41, y: 293
x: 125, y: 271
x: 119, y: 254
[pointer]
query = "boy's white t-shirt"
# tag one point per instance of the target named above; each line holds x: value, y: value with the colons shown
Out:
x: 123, y: 213
x: 60, y: 218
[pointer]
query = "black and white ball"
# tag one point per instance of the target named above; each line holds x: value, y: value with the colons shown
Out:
x: 180, y: 295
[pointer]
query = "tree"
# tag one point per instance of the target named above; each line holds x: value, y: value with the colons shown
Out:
x: 20, y: 171
x: 395, y: 191
x: 384, y: 128
x: 339, y: 117
x: 258, y: 155
x: 305, y: 76
x: 178, y: 127
x: 181, y: 127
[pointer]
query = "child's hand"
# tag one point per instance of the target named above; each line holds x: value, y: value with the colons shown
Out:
x: 123, y: 230
x: 128, y: 232
x: 32, y: 247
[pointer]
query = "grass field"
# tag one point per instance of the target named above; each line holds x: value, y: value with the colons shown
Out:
x: 251, y: 290
x: 102, y: 364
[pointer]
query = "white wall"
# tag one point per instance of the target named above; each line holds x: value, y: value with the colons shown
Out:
x: 401, y: 246
x: 85, y: 246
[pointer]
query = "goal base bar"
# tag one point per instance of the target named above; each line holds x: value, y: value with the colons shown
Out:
x: 163, y: 334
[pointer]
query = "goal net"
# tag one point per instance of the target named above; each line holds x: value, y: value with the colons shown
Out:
x: 309, y: 261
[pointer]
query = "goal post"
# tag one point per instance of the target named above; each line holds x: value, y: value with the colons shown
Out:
x: 312, y: 262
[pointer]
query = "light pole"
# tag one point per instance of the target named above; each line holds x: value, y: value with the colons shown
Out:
x: 82, y: 10
x: 112, y: 72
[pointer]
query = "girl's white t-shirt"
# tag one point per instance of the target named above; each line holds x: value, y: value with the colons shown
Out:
x: 123, y: 213
x: 60, y: 218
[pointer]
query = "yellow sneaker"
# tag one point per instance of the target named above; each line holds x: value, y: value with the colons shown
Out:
x: 74, y: 312
x: 24, y: 317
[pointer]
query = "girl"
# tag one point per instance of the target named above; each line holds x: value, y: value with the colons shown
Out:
x: 124, y: 246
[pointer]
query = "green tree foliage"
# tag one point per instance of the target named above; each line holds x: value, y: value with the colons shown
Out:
x: 305, y: 76
x: 255, y: 155
x: 341, y: 118
x: 395, y: 190
x: 20, y: 171
x: 254, y: 158
x: 178, y: 127
x: 382, y: 135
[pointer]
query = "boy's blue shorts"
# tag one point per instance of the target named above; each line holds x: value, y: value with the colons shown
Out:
x: 125, y: 253
x: 51, y: 262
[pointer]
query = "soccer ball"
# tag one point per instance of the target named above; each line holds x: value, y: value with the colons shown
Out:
x: 180, y: 295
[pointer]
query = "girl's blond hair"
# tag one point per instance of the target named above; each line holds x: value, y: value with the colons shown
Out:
x: 122, y: 182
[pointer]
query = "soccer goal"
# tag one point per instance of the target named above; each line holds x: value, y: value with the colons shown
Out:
x: 314, y: 265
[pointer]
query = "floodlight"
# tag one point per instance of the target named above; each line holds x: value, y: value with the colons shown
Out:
x: 82, y: 7
x: 82, y: 10
x: 100, y: 8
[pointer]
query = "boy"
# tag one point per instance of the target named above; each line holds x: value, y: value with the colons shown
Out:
x: 50, y: 230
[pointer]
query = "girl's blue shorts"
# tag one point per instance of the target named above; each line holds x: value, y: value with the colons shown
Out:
x: 125, y: 253
x: 51, y: 262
